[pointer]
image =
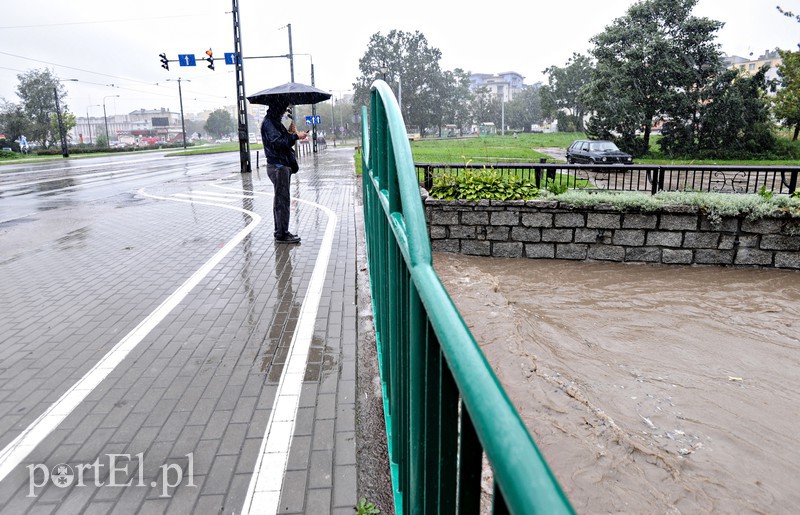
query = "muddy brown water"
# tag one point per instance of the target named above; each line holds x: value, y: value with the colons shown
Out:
x: 648, y: 389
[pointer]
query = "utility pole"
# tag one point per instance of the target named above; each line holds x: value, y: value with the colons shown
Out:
x: 291, y: 55
x: 180, y: 97
x: 241, y: 100
x: 64, y: 151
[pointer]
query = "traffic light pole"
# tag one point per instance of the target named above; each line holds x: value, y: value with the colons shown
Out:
x: 241, y: 100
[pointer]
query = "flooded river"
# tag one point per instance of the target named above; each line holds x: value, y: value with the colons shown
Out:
x: 648, y: 389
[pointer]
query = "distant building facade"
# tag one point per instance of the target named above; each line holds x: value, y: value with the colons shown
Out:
x: 500, y: 85
x: 750, y: 66
x: 129, y: 128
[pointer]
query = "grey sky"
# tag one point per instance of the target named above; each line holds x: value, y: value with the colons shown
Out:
x: 112, y: 47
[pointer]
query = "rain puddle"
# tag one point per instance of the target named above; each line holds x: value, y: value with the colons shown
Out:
x: 648, y: 389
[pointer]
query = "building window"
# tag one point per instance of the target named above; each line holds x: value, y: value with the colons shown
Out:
x: 752, y: 66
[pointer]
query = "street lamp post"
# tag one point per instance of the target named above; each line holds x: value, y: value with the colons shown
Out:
x: 105, y: 119
x: 61, y: 133
x: 88, y: 122
x: 180, y: 98
x: 333, y: 120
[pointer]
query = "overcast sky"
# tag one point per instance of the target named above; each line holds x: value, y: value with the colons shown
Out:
x: 112, y: 47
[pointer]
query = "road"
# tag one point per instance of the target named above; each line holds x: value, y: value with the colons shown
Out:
x: 160, y: 352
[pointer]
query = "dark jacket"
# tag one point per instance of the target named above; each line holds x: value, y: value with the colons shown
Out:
x: 278, y: 143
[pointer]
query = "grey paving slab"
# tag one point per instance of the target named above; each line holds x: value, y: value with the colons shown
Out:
x: 194, y: 397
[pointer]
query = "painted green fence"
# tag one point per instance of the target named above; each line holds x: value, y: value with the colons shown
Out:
x: 444, y: 407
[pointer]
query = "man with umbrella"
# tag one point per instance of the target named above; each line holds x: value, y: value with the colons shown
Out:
x: 279, y: 145
x: 281, y: 164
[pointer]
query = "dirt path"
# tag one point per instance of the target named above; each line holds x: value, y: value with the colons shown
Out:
x: 648, y: 389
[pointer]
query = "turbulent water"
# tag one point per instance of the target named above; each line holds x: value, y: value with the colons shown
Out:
x: 648, y: 389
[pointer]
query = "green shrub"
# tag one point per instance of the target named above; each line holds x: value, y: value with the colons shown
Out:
x: 483, y: 184
x: 9, y: 154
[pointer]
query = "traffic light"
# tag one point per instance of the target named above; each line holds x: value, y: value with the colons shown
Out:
x: 164, y: 61
x: 210, y: 59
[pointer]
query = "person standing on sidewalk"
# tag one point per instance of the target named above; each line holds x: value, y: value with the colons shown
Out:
x: 281, y: 164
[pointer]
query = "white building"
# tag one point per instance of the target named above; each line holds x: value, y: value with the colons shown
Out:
x: 501, y: 85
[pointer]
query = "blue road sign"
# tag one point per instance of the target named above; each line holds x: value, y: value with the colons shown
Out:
x: 230, y: 57
x: 186, y: 60
x: 312, y: 120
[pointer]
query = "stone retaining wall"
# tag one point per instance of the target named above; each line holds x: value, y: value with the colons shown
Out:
x: 546, y: 229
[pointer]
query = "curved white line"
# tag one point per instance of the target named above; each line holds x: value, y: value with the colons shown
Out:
x: 16, y: 451
x: 264, y: 491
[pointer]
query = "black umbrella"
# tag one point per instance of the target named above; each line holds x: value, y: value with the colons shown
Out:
x: 291, y: 93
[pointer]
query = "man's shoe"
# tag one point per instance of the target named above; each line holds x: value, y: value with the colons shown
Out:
x: 288, y: 238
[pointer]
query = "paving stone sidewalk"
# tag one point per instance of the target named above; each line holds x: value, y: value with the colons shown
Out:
x: 195, y: 395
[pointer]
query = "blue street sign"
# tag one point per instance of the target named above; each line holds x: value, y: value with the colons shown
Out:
x: 186, y: 60
x: 312, y: 120
x: 230, y: 57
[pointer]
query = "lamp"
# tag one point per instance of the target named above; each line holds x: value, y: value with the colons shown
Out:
x: 61, y: 133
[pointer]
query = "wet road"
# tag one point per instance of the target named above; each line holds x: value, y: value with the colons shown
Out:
x: 160, y: 353
x: 649, y: 389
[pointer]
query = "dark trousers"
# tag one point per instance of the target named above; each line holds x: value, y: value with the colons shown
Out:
x: 281, y: 177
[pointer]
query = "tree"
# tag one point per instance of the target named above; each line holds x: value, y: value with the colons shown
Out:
x: 456, y: 96
x: 524, y: 109
x: 407, y: 59
x: 787, y: 99
x: 563, y: 91
x: 219, y: 123
x: 656, y: 58
x: 68, y: 120
x: 37, y: 89
x: 735, y: 119
x: 13, y: 122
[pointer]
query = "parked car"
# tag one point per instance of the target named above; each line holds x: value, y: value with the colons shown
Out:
x: 598, y: 152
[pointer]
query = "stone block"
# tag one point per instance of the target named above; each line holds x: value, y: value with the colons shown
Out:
x: 537, y: 219
x: 438, y: 232
x: 499, y: 233
x: 462, y: 232
x: 604, y: 220
x: 572, y: 251
x: 629, y: 237
x: 439, y: 217
x: 763, y: 226
x: 713, y: 257
x: 639, y: 221
x: 476, y: 248
x: 701, y: 240
x: 475, y: 218
x: 787, y: 260
x: 731, y: 241
x: 504, y: 218
x: 557, y: 235
x: 588, y: 235
x: 780, y: 242
x: 664, y: 238
x: 526, y: 234
x: 643, y: 254
x: 452, y: 246
x: 606, y: 252
x: 569, y: 220
x: 678, y: 223
x: 677, y: 256
x: 507, y: 249
x: 749, y: 256
x: 727, y: 224
x: 540, y: 250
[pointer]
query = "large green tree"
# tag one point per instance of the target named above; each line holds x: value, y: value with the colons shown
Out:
x: 37, y: 90
x: 562, y: 94
x: 787, y: 99
x: 219, y: 123
x: 13, y: 122
x: 411, y: 64
x: 655, y: 58
x: 524, y: 109
x: 455, y: 95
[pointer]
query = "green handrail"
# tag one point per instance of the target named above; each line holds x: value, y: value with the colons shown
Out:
x: 443, y: 404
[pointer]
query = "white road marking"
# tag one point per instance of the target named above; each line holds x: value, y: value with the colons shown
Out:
x: 264, y: 492
x: 16, y: 451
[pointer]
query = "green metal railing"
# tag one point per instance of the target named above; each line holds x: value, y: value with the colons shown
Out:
x: 443, y: 405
